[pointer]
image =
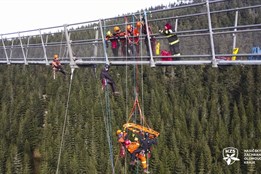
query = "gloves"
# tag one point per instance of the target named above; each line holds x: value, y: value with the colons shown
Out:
x: 160, y: 31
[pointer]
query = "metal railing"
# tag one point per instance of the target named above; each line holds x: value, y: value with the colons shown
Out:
x: 82, y: 44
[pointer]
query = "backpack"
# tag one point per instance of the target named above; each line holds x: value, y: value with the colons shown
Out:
x: 255, y: 50
x: 166, y: 55
x: 114, y: 43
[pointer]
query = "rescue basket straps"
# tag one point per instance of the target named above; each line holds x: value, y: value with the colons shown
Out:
x: 136, y: 103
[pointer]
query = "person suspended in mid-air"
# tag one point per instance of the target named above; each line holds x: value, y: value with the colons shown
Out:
x: 145, y: 145
x: 121, y: 138
x: 172, y: 38
x: 56, y: 65
x: 107, y: 79
x: 131, y: 147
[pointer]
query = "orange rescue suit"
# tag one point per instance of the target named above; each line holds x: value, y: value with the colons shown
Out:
x: 134, y: 146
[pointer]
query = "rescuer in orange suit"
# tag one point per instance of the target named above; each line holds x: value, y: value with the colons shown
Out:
x: 133, y: 38
x: 131, y: 147
x: 122, y: 136
x: 123, y: 40
x: 56, y: 65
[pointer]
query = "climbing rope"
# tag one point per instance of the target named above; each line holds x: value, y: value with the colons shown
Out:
x: 126, y: 74
x: 141, y: 58
x: 64, y: 123
x: 107, y: 114
x: 108, y: 126
x: 107, y: 123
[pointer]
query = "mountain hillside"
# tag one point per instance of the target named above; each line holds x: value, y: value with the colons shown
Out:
x: 198, y: 110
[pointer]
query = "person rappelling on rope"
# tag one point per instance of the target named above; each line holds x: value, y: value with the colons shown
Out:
x: 121, y: 138
x: 146, y: 143
x: 132, y: 147
x: 56, y: 65
x: 172, y: 38
x: 107, y: 79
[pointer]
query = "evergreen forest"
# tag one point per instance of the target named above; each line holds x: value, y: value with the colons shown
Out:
x: 198, y: 111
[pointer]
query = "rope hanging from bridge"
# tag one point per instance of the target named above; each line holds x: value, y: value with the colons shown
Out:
x: 107, y: 114
x: 64, y: 122
x: 108, y: 122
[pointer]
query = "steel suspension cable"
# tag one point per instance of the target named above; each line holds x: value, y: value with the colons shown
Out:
x: 141, y: 57
x: 64, y: 122
x: 107, y: 115
x: 135, y: 67
x: 126, y: 83
x: 108, y: 123
x: 107, y: 128
x: 126, y: 73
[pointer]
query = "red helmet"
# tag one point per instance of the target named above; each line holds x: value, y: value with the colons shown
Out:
x: 127, y: 142
x: 168, y: 26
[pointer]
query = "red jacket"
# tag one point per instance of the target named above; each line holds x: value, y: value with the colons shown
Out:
x: 56, y: 64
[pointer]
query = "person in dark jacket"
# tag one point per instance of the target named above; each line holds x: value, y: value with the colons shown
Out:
x: 172, y: 38
x: 145, y: 146
x: 107, y: 79
x: 146, y: 40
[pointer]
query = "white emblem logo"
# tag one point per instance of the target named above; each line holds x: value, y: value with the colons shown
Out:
x: 230, y: 155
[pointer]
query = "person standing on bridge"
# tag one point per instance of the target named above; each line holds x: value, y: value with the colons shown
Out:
x: 114, y: 39
x: 172, y: 38
x: 133, y: 39
x: 107, y: 79
x: 123, y: 40
x: 146, y: 39
x: 56, y: 65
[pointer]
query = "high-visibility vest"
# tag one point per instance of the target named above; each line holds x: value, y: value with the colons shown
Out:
x: 235, y: 51
x: 158, y: 48
x: 133, y: 146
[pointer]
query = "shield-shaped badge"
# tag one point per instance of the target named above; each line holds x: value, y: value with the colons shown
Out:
x: 230, y: 155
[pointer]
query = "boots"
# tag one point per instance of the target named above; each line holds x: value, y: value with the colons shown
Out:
x: 132, y: 163
x: 146, y: 170
x: 116, y: 93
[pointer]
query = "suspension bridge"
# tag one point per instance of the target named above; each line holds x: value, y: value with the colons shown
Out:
x: 77, y: 47
x: 83, y: 44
